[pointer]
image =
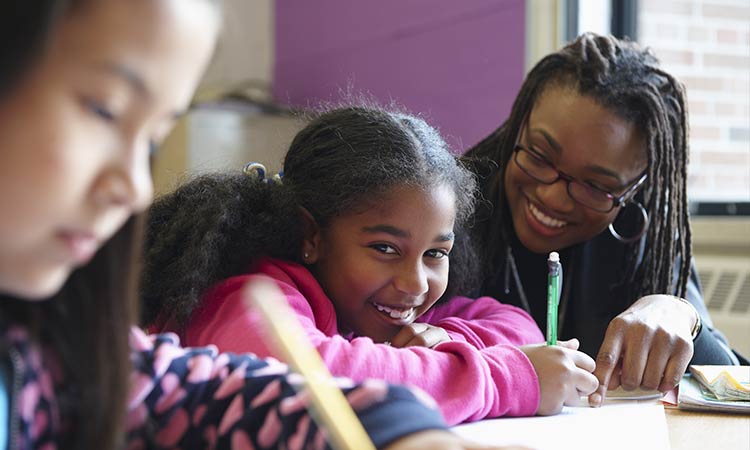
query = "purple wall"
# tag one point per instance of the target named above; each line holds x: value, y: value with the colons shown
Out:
x: 458, y: 63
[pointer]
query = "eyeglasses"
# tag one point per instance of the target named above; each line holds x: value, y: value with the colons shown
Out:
x: 538, y: 168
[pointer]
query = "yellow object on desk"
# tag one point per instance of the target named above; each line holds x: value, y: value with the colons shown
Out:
x: 725, y: 382
x: 690, y: 396
x: 329, y: 406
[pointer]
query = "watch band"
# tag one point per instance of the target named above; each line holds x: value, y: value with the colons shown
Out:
x: 698, y: 324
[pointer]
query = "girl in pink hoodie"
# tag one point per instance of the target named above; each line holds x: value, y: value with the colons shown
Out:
x: 358, y: 233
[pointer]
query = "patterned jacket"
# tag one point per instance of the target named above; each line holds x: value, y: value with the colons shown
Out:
x: 196, y: 398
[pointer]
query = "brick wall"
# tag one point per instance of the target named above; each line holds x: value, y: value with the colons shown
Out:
x: 706, y: 44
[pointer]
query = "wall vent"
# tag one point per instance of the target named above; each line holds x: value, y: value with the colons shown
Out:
x: 722, y: 255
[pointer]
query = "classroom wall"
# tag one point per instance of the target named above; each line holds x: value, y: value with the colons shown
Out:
x: 245, y: 51
x: 460, y: 64
x: 219, y: 138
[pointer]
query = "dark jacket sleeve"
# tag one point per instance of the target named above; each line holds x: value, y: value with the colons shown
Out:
x: 709, y: 346
x: 195, y: 398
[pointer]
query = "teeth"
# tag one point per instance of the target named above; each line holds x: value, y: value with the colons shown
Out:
x: 395, y: 313
x: 545, y: 219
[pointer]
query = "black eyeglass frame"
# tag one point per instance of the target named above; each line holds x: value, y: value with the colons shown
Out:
x: 616, y: 201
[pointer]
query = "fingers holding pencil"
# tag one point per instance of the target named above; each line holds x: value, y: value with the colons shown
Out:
x: 564, y: 374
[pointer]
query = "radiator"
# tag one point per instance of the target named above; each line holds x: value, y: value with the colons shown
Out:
x: 721, y: 247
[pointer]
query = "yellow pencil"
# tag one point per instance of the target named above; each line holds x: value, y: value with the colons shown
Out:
x: 329, y: 406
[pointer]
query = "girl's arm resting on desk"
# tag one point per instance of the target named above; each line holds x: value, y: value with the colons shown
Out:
x: 467, y: 383
x: 484, y: 322
x: 197, y: 398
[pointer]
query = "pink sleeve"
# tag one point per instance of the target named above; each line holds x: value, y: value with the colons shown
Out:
x: 484, y: 322
x: 468, y: 384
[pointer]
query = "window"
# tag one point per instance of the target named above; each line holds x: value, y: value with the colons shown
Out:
x: 706, y: 45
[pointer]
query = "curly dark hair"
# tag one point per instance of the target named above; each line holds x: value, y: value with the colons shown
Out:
x: 216, y: 225
x: 625, y: 79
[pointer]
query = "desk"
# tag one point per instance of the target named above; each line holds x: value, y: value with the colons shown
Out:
x: 623, y: 425
x: 693, y: 430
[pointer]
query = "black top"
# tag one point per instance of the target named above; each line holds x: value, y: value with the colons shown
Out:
x: 591, y: 271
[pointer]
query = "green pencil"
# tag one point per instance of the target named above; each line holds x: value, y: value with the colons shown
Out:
x: 553, y: 296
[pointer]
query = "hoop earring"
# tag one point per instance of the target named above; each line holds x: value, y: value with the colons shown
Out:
x: 639, y: 235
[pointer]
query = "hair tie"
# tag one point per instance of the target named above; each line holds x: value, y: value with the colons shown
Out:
x: 258, y: 171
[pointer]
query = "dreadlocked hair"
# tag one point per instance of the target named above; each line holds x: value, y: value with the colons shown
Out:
x: 627, y: 80
x: 344, y: 161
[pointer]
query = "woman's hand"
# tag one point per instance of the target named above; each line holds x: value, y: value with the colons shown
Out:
x: 420, y: 335
x: 441, y: 440
x: 649, y: 346
x: 564, y: 374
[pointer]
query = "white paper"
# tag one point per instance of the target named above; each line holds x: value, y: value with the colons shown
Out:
x: 614, y: 426
x: 636, y: 394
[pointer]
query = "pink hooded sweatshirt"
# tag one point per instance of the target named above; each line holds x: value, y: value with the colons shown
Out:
x: 480, y: 374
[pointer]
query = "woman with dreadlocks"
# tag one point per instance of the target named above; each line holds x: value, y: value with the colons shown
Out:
x: 592, y: 164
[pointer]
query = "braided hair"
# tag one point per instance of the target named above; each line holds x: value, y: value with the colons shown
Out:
x: 625, y: 79
x: 344, y: 160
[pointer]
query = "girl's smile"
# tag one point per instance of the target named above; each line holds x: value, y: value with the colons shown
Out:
x: 386, y: 265
x: 399, y: 315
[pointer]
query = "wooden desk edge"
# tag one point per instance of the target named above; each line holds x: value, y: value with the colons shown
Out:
x: 701, y: 430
